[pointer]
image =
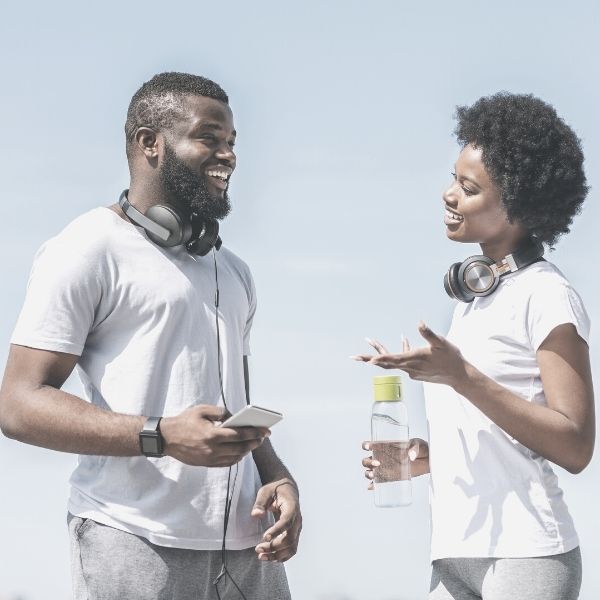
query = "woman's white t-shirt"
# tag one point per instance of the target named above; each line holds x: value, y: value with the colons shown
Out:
x: 490, y: 495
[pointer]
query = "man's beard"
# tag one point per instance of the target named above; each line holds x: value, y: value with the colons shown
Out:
x: 189, y: 191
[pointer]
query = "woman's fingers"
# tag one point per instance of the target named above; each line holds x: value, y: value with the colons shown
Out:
x: 389, y: 361
x: 369, y: 463
x: 377, y: 345
x: 418, y: 448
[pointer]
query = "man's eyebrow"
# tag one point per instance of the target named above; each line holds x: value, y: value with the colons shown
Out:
x: 214, y: 126
x: 204, y: 125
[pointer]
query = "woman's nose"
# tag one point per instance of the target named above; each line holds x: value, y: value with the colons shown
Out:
x: 450, y: 196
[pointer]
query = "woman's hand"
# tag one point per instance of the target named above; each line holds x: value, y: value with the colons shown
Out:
x: 438, y: 362
x: 418, y: 453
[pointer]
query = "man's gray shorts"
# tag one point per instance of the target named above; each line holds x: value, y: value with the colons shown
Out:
x: 109, y: 564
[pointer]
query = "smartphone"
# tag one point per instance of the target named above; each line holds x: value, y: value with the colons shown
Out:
x: 253, y: 416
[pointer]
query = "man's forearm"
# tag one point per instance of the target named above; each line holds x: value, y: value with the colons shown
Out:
x: 269, y: 465
x: 54, y: 419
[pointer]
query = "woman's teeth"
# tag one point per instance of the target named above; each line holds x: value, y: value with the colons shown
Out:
x: 454, y: 216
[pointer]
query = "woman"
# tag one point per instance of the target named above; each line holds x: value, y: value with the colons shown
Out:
x: 510, y: 389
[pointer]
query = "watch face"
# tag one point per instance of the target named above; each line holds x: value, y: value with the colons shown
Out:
x: 151, y: 445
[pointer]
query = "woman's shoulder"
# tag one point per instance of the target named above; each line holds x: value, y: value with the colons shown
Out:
x: 551, y: 301
x: 543, y: 284
x: 541, y: 277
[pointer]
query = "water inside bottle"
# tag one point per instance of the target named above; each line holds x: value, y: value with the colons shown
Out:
x: 393, y: 458
x: 392, y: 476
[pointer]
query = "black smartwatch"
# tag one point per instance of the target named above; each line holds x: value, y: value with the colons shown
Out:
x: 151, y: 441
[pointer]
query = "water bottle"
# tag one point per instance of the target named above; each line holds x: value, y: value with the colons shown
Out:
x: 390, y: 441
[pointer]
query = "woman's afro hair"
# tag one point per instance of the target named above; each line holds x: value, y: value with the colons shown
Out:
x: 533, y: 157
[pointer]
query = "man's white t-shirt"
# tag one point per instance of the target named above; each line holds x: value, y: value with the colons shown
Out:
x: 142, y: 320
x: 490, y: 495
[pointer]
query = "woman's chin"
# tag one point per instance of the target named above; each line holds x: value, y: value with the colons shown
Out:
x: 454, y: 233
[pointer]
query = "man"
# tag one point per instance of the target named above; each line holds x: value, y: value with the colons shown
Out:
x: 158, y: 326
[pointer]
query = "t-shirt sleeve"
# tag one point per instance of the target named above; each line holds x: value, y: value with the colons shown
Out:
x: 554, y: 305
x: 251, y: 290
x: 62, y: 296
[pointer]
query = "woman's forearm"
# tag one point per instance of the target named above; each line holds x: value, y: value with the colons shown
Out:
x: 540, y: 428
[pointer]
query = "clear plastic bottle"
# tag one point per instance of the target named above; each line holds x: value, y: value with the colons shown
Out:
x: 389, y: 443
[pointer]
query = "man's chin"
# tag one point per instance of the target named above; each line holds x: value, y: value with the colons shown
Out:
x: 213, y: 208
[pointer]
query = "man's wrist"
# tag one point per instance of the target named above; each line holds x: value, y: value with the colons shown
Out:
x: 287, y: 481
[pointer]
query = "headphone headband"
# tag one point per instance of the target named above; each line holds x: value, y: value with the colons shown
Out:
x: 527, y: 253
x: 141, y: 219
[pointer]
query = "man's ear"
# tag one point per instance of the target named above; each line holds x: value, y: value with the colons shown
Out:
x: 147, y: 141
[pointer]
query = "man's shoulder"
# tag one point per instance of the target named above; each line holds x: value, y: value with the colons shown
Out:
x: 91, y: 223
x: 233, y: 260
x: 86, y: 231
x: 83, y: 243
x: 238, y: 269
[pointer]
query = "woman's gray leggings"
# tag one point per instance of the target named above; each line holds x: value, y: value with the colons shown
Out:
x: 555, y: 577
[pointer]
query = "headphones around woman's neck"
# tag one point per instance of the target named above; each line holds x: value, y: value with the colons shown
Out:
x: 166, y: 226
x: 480, y: 275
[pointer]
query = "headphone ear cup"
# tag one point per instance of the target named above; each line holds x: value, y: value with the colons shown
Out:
x: 476, y: 276
x: 206, y: 237
x: 447, y: 276
x: 180, y: 228
x: 453, y: 287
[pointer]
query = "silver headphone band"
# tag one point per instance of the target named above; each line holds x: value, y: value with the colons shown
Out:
x: 141, y: 219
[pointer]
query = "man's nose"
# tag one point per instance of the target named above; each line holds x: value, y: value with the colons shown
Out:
x: 225, y: 153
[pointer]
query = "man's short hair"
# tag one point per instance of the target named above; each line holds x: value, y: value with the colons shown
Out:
x: 159, y: 102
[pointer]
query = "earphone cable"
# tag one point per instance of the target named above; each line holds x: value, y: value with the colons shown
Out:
x: 229, y: 495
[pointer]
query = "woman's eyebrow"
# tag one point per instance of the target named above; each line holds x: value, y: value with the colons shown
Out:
x: 467, y: 178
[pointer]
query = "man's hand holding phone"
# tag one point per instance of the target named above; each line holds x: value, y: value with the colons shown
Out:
x: 193, y: 437
x: 253, y: 416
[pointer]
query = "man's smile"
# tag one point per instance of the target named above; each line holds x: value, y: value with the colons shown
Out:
x: 219, y: 176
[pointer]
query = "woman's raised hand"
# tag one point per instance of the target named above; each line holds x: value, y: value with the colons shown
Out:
x: 438, y: 362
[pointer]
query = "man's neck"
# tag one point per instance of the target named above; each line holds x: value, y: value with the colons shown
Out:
x: 145, y: 194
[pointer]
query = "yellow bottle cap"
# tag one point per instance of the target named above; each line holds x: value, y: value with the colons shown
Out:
x: 387, y: 388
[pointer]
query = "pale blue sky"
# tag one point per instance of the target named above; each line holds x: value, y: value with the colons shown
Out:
x: 344, y: 117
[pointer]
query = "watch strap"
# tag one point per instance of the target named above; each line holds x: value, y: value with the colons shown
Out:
x: 151, y: 424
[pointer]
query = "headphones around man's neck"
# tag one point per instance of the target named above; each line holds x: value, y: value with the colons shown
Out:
x: 167, y: 226
x: 480, y: 275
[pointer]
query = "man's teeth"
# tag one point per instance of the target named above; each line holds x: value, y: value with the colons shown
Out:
x: 454, y: 216
x: 218, y: 174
